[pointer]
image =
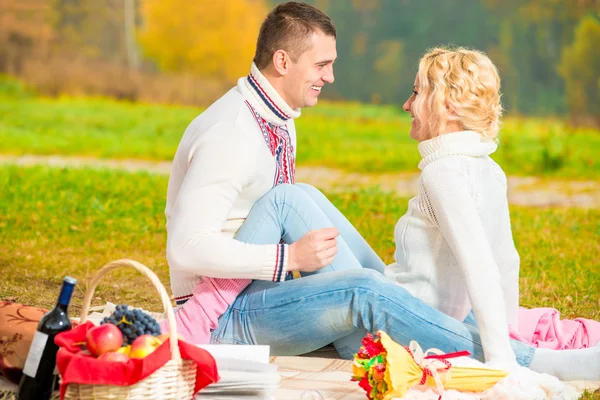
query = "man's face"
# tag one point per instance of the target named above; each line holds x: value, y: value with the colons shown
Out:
x: 307, y: 76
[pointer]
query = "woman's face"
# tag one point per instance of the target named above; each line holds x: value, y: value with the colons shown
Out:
x: 418, y: 129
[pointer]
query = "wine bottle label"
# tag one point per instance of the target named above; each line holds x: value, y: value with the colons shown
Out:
x: 35, y: 354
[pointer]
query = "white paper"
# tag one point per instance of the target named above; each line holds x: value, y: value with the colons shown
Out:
x: 244, y: 370
x: 35, y: 354
x: 257, y: 353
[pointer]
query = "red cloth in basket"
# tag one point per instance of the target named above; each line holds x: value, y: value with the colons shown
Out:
x: 75, y: 367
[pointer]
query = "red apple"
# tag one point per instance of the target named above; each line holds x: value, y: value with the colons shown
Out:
x: 103, y: 338
x: 143, y: 345
x: 114, y: 357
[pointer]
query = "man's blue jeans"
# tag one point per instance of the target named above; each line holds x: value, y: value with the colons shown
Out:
x: 339, y: 303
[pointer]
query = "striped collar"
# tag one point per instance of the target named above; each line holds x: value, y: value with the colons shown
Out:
x: 265, y: 99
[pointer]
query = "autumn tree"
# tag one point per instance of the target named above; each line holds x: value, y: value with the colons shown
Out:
x: 24, y: 31
x: 580, y: 66
x: 213, y: 39
x: 531, y: 37
x: 89, y: 29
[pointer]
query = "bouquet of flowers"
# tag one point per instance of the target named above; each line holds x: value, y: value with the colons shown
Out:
x: 387, y: 370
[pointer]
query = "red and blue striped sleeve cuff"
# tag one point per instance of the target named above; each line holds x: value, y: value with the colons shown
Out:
x: 281, y: 257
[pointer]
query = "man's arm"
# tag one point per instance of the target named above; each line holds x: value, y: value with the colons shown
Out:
x: 221, y: 165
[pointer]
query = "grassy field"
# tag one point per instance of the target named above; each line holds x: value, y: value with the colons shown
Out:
x: 56, y: 222
x: 353, y: 137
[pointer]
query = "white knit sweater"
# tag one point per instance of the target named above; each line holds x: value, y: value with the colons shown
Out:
x: 454, y: 245
x: 222, y: 167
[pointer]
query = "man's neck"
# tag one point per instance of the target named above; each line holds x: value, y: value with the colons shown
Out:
x: 264, y: 97
x: 276, y: 81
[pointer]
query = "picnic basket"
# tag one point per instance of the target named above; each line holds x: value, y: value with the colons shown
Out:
x: 174, y: 380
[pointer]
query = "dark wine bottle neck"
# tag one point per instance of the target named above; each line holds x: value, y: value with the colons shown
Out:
x: 65, y: 294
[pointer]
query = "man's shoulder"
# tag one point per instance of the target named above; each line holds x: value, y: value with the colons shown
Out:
x: 230, y: 111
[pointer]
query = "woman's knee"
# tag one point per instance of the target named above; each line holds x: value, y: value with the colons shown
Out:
x: 310, y: 189
x: 284, y: 191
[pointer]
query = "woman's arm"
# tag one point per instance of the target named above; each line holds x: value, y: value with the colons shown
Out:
x: 455, y: 212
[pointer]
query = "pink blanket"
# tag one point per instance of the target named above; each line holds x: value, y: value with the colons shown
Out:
x: 542, y: 327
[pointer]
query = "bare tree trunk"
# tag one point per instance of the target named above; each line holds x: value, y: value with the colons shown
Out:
x: 132, y: 54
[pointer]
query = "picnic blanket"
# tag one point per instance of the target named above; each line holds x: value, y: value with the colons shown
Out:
x: 322, y: 373
x: 303, y: 376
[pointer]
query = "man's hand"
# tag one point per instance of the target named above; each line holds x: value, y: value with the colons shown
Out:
x: 313, y: 251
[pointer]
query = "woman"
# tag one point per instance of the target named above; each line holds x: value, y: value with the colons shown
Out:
x: 454, y: 246
x: 456, y: 110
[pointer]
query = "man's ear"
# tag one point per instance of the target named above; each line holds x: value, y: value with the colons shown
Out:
x: 281, y: 62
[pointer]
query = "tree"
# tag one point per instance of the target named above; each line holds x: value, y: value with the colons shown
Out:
x: 24, y: 32
x: 531, y: 38
x: 89, y: 29
x: 214, y: 39
x: 579, y: 67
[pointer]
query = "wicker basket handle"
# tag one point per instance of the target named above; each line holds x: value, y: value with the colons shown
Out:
x: 164, y: 297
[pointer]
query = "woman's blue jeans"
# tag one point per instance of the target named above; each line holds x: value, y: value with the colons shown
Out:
x: 341, y: 302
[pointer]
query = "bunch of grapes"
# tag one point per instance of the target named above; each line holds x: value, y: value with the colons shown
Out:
x: 132, y: 323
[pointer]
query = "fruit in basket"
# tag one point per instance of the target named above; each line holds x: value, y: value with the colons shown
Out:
x: 124, y: 350
x: 114, y: 356
x: 133, y: 323
x: 144, y: 345
x: 103, y: 338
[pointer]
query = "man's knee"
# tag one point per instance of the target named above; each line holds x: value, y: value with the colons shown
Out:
x: 363, y: 278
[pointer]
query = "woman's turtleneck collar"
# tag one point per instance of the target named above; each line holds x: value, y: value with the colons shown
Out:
x: 264, y: 98
x: 463, y: 143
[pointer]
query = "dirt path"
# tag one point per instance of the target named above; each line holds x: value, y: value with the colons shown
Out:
x: 531, y: 191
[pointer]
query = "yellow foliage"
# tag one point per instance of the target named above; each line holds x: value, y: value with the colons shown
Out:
x: 209, y: 38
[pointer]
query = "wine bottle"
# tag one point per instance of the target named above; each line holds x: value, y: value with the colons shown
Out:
x: 39, y: 371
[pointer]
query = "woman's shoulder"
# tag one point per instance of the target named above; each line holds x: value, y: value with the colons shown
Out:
x: 447, y: 168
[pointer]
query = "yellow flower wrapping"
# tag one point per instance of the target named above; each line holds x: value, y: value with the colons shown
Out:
x: 403, y: 371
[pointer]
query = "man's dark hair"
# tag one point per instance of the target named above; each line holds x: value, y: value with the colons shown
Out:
x: 289, y: 27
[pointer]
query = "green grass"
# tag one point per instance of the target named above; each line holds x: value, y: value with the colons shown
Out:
x: 56, y: 222
x: 353, y: 137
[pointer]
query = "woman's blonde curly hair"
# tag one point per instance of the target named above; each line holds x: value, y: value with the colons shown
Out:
x: 459, y: 85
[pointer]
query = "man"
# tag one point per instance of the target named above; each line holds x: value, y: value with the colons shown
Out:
x: 231, y: 199
x: 232, y: 154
